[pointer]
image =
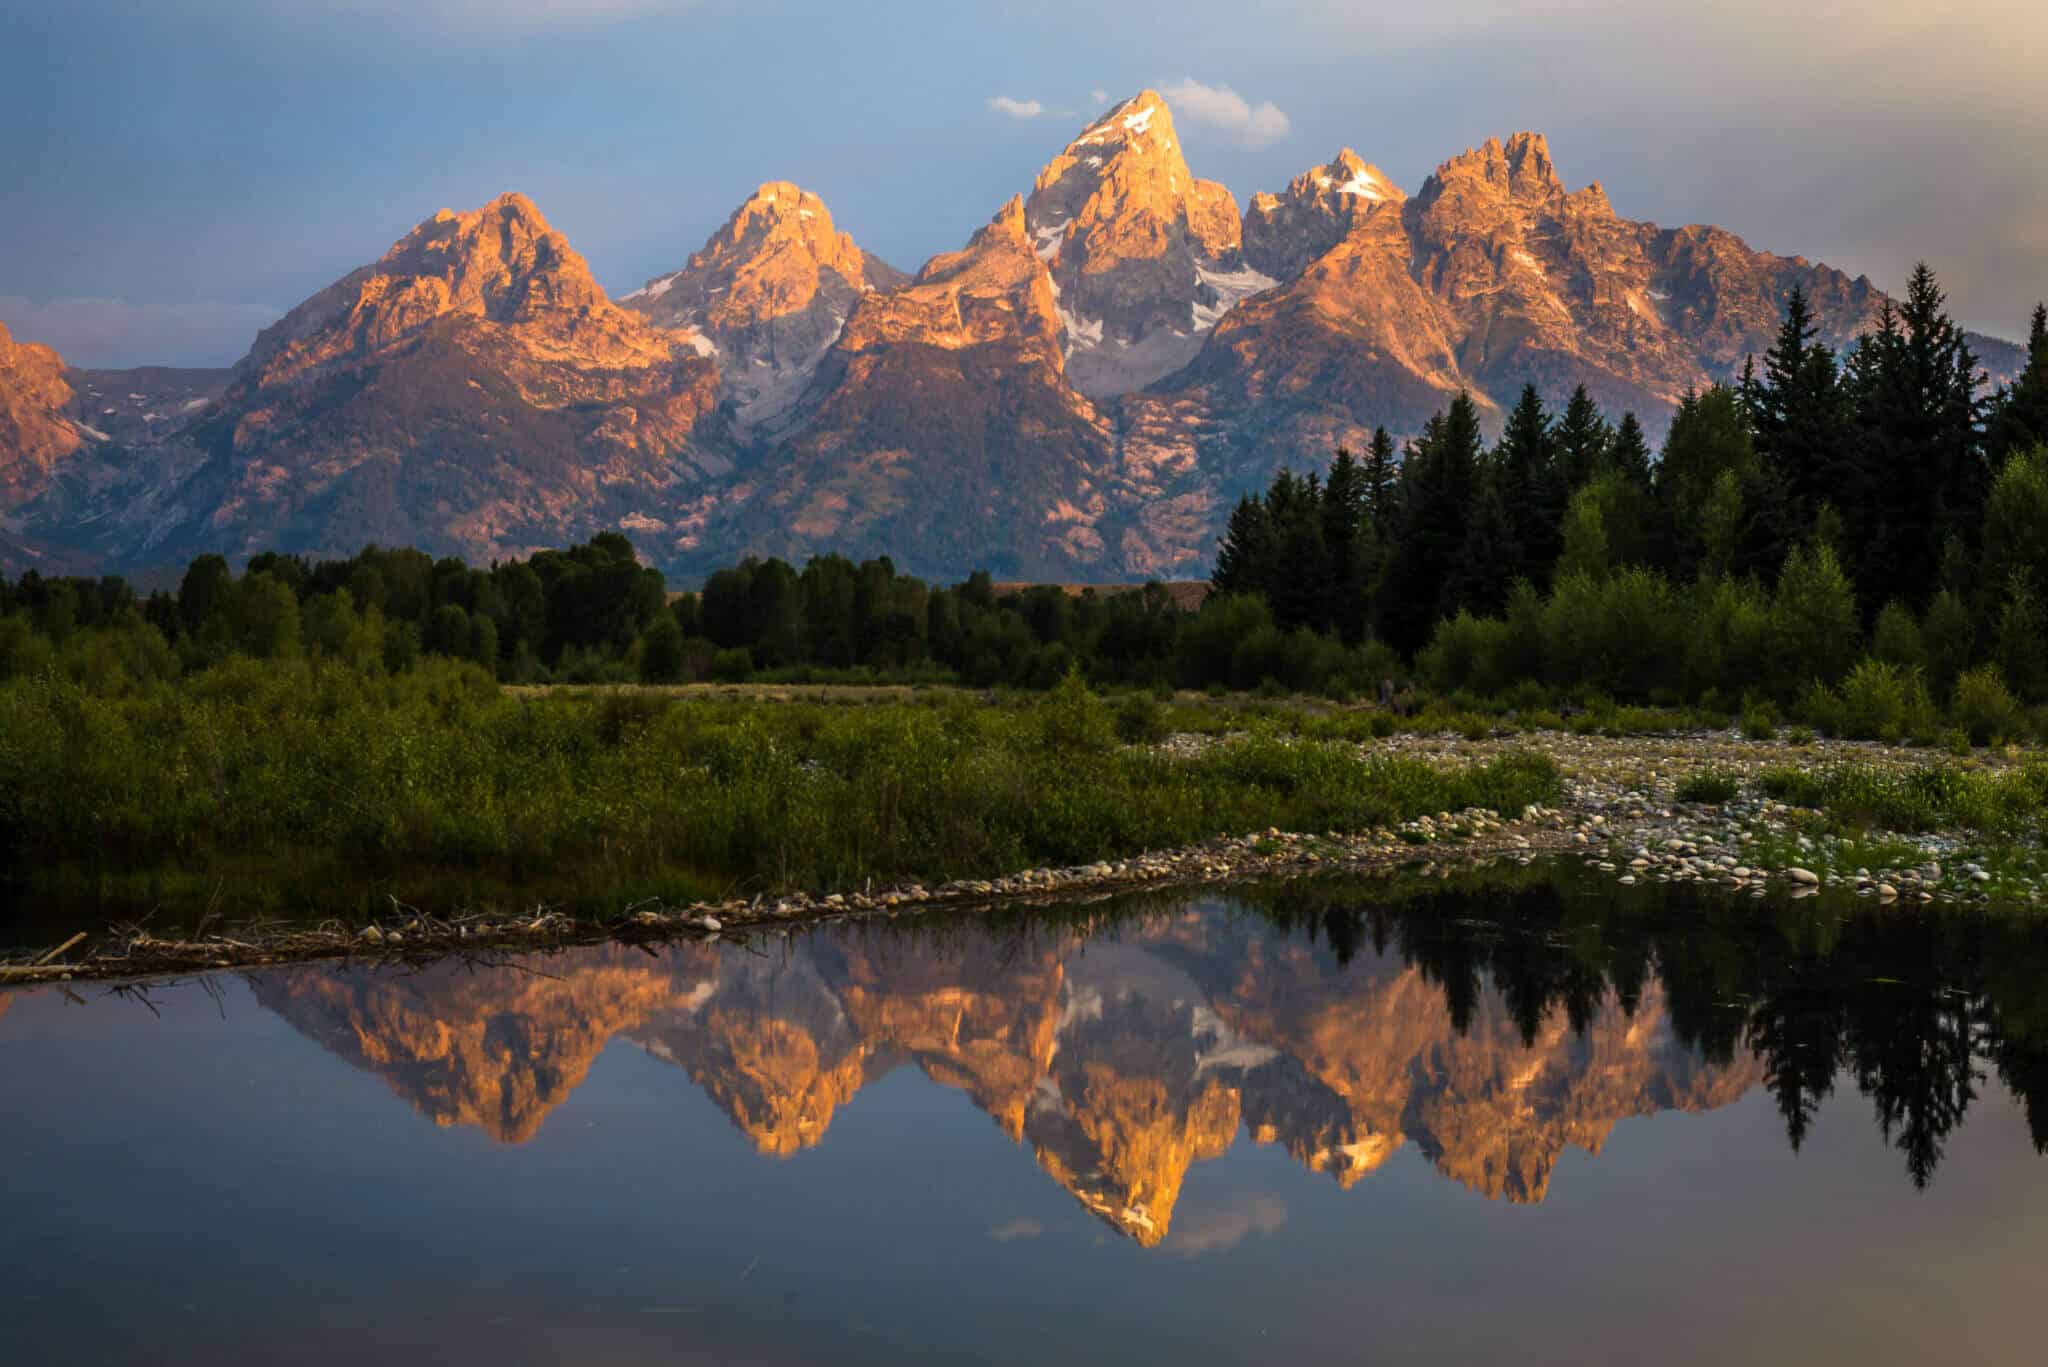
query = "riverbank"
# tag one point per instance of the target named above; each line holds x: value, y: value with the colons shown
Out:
x: 1800, y: 818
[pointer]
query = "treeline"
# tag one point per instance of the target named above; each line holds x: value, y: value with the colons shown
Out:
x: 1829, y: 534
x: 1862, y: 539
x: 579, y: 612
x: 590, y: 614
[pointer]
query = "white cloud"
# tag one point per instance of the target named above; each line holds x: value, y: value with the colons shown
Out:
x: 1227, y: 1225
x: 1099, y: 95
x: 1023, y: 1228
x: 1221, y: 108
x: 1016, y: 109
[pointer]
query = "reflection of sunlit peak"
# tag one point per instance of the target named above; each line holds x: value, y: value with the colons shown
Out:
x: 1349, y: 1162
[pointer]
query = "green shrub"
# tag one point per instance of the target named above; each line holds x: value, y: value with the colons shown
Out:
x: 1986, y: 712
x: 1710, y: 785
x: 1140, y: 720
x: 1881, y: 701
x: 1820, y: 707
x: 733, y: 666
x: 1923, y: 799
x: 1759, y: 721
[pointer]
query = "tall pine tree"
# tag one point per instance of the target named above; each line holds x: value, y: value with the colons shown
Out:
x: 2019, y: 419
x: 1531, y: 489
x: 1584, y: 440
x: 1629, y: 455
x: 1347, y: 533
x: 1439, y: 483
x: 1379, y: 483
x: 1798, y: 413
x: 1921, y: 475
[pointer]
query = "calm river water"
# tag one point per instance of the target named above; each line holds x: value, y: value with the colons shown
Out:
x: 1530, y: 1124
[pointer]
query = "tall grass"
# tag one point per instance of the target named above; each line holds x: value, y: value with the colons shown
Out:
x: 1932, y: 797
x: 438, y: 769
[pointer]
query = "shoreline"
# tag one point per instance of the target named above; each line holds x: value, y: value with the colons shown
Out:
x: 1617, y: 812
x: 129, y: 953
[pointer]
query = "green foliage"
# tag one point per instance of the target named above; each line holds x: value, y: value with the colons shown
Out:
x: 1985, y: 710
x: 1140, y: 720
x: 1881, y: 701
x: 355, y: 774
x: 1922, y: 799
x: 733, y: 666
x: 663, y: 657
x: 1710, y: 785
x: 1895, y: 638
x: 1814, y: 623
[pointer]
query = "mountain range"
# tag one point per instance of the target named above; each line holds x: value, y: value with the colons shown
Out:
x: 1081, y: 392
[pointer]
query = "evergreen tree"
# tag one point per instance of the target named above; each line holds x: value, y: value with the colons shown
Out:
x: 1347, y: 531
x: 1297, y: 581
x: 1531, y: 490
x: 1585, y: 442
x: 1709, y: 463
x: 1923, y: 477
x: 2019, y: 419
x: 1490, y: 558
x: 1439, y: 481
x: 1245, y: 551
x: 1629, y: 453
x: 203, y: 590
x: 1798, y: 411
x: 1380, y: 474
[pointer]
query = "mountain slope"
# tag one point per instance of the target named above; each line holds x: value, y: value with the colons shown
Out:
x: 34, y: 433
x: 1144, y: 256
x: 1493, y: 276
x: 473, y: 392
x: 939, y: 428
x: 770, y: 291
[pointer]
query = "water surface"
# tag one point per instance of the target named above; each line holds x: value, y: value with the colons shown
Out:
x: 1536, y: 1124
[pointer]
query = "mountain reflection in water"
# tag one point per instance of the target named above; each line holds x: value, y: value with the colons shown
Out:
x: 1121, y: 1048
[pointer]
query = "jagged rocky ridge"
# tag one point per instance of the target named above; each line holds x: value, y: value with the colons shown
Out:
x: 1081, y: 392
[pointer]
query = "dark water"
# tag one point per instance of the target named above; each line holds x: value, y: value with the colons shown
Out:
x: 1531, y: 1125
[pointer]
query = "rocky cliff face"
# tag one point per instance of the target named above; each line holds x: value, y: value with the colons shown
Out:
x: 940, y: 420
x: 1493, y: 276
x: 1144, y: 257
x: 34, y: 433
x: 769, y: 292
x: 473, y: 392
x: 1121, y: 1064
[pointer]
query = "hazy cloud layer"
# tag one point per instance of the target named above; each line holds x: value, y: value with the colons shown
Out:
x: 116, y: 333
x: 1221, y: 108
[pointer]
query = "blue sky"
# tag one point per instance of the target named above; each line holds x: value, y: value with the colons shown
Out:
x: 180, y: 172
